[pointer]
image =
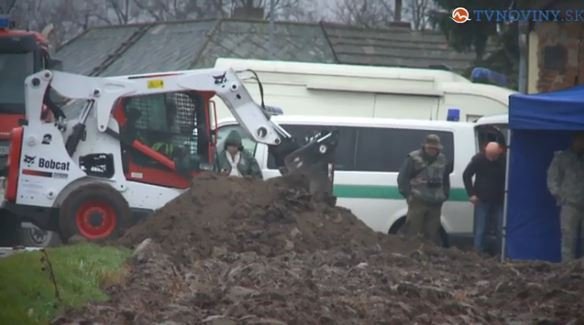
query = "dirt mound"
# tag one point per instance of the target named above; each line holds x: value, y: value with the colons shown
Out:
x: 339, y: 287
x: 237, y: 251
x: 226, y: 214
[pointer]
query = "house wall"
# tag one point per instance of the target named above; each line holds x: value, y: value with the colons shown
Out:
x: 560, y: 55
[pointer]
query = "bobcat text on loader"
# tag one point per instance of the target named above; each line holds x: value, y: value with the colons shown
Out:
x: 94, y: 169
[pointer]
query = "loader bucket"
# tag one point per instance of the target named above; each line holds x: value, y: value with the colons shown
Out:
x: 315, y: 160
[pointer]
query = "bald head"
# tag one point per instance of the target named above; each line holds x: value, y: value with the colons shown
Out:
x: 492, y: 150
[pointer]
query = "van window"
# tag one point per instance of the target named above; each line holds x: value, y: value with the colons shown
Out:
x: 345, y: 152
x: 248, y: 143
x: 384, y: 150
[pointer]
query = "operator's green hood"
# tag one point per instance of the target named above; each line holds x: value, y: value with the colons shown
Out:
x: 233, y: 139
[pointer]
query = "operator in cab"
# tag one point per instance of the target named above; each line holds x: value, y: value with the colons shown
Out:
x: 234, y: 160
x: 185, y: 162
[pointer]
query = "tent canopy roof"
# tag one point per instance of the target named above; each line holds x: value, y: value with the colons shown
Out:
x: 558, y: 110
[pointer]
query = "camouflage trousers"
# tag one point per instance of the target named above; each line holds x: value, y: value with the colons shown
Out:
x: 423, y: 221
x: 572, y: 225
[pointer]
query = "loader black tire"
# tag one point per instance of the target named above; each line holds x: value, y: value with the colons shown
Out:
x: 96, y: 212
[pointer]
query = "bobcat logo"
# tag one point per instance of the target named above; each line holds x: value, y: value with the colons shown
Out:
x: 219, y: 80
x: 29, y: 160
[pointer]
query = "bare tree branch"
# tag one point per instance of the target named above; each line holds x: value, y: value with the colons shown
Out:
x: 419, y: 10
x: 71, y: 17
x: 9, y: 6
x: 365, y: 13
x: 122, y: 14
x: 147, y: 9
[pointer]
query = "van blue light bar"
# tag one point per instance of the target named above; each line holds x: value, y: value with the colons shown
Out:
x: 4, y: 22
x: 489, y: 76
x: 453, y: 114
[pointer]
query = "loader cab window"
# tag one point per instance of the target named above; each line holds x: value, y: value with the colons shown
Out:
x: 167, y: 123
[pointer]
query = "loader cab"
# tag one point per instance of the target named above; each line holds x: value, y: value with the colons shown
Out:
x: 161, y: 130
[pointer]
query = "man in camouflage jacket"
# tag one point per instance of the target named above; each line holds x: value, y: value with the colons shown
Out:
x: 565, y: 180
x: 424, y: 180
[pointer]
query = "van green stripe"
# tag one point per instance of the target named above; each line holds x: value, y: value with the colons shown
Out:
x: 385, y: 192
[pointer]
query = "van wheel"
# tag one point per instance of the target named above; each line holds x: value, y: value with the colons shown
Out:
x: 96, y: 212
x: 398, y: 227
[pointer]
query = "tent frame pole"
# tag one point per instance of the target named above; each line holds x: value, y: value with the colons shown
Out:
x: 506, y: 200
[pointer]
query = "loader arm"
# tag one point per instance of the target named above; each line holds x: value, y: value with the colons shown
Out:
x: 315, y: 159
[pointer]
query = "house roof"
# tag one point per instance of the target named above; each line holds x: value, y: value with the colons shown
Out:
x: 394, y: 47
x: 163, y: 46
x: 251, y: 39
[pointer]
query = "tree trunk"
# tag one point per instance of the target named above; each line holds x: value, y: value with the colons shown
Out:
x: 398, y: 11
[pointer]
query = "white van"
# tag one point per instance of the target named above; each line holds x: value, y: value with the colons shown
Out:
x: 321, y: 89
x: 368, y: 158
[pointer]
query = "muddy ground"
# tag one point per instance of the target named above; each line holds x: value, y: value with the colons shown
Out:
x: 238, y: 251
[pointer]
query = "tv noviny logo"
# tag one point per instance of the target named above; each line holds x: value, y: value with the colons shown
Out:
x: 461, y: 15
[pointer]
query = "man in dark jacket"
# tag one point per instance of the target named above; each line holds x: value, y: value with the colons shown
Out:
x: 235, y: 160
x: 487, y: 192
x: 424, y: 180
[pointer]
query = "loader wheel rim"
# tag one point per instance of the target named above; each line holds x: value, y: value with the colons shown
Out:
x: 96, y: 220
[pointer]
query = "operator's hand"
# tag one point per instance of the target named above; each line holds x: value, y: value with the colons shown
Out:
x: 474, y: 199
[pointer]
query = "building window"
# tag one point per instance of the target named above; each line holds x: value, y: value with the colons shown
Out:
x: 554, y: 58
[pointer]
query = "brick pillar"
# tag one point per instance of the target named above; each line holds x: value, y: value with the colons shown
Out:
x: 581, y: 55
x: 561, y: 55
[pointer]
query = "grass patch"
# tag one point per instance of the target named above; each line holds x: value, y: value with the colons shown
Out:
x: 27, y: 294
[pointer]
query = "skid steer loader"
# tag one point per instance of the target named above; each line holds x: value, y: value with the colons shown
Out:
x: 93, y: 170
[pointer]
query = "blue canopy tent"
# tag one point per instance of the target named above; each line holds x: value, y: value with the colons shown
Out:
x: 539, y: 124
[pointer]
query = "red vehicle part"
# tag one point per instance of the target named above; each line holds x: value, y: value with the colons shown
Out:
x: 13, y: 164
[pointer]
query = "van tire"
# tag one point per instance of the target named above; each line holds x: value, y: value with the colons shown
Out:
x: 398, y: 226
x: 96, y: 212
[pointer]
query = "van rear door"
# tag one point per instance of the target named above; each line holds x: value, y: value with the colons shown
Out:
x: 492, y: 128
